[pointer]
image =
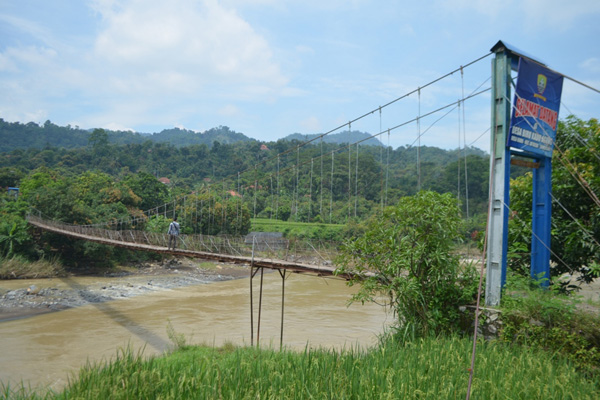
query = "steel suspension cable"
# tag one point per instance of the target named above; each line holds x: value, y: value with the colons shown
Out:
x: 331, y: 187
x: 419, y: 145
x: 321, y: 182
x: 356, y: 182
x: 387, y: 167
x: 583, y: 229
x: 381, y: 163
x: 224, y: 209
x: 458, y: 189
x: 310, y: 191
x: 277, y: 203
x: 297, y: 181
x: 564, y: 160
x: 238, y: 206
x: 349, y: 173
x: 272, y: 197
x: 255, y: 187
x: 384, y: 106
x: 479, y: 137
x: 579, y: 138
x: 546, y: 246
x: 462, y: 80
x: 373, y: 111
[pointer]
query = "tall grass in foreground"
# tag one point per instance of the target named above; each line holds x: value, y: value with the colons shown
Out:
x: 423, y: 369
x: 17, y: 267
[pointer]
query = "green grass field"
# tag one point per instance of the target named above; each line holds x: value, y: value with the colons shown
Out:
x: 421, y: 369
x: 289, y: 229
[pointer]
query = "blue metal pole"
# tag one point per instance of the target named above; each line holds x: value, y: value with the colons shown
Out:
x: 541, y: 221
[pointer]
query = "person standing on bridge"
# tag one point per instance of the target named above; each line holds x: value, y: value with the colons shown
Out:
x: 173, y: 233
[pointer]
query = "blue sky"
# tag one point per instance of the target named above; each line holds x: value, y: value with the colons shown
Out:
x: 269, y: 68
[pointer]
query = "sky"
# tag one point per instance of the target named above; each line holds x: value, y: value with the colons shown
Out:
x: 270, y: 68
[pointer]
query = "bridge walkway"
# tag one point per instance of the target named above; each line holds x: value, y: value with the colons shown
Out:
x: 85, y: 233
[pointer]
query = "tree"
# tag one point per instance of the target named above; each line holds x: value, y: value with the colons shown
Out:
x: 405, y: 255
x: 210, y: 214
x: 14, y: 233
x: 152, y: 192
x: 9, y: 177
x: 98, y: 139
x: 575, y: 234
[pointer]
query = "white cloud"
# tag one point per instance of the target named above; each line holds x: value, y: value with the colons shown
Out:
x: 30, y: 56
x: 491, y: 8
x: 591, y: 65
x: 150, y: 62
x: 553, y: 14
x: 303, y: 49
x: 7, y: 64
x: 311, y: 124
x: 115, y: 126
x: 576, y: 99
x: 558, y: 14
x: 182, y: 45
x: 228, y: 110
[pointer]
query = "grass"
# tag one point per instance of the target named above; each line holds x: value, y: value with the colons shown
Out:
x: 289, y: 229
x: 421, y: 369
x: 19, y: 268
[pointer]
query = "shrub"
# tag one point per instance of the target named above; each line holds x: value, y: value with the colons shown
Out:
x: 545, y: 319
x: 406, y: 256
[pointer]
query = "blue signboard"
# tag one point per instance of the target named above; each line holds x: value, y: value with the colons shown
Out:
x: 535, y: 112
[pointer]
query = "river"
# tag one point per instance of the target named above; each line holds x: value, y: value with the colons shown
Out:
x: 45, y: 350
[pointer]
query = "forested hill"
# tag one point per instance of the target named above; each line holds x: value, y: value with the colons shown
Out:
x: 338, y: 138
x: 14, y: 135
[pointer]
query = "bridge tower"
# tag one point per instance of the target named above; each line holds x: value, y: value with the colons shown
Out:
x: 505, y: 142
x: 499, y: 174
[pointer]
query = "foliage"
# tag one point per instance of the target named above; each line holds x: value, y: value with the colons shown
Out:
x: 84, y: 177
x: 87, y: 198
x: 431, y: 368
x: 150, y: 190
x: 9, y: 177
x: 15, y: 237
x: 576, y: 227
x: 548, y: 320
x: 301, y: 230
x: 15, y: 135
x: 158, y: 224
x: 313, y: 185
x: 17, y: 267
x: 209, y: 213
x: 178, y: 339
x: 406, y: 256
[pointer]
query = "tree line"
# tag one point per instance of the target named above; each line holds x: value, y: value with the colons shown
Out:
x: 318, y: 182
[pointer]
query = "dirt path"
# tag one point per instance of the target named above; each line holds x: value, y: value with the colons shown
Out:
x: 23, y: 298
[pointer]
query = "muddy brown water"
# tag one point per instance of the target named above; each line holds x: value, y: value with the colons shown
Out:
x: 45, y: 350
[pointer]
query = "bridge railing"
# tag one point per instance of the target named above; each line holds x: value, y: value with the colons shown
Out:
x: 307, y: 251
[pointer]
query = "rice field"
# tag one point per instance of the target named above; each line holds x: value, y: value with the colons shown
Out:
x: 434, y: 368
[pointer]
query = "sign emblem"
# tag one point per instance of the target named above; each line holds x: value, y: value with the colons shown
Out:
x: 535, y: 113
x: 541, y: 83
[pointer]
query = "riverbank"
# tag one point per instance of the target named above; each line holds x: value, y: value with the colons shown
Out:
x: 20, y: 300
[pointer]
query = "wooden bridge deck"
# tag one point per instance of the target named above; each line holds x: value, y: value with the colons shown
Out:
x: 318, y: 270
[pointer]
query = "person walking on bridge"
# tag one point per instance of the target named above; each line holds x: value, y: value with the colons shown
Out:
x: 173, y: 233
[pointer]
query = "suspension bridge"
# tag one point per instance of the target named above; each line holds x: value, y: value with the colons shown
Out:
x: 318, y: 181
x: 311, y: 181
x: 294, y: 256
